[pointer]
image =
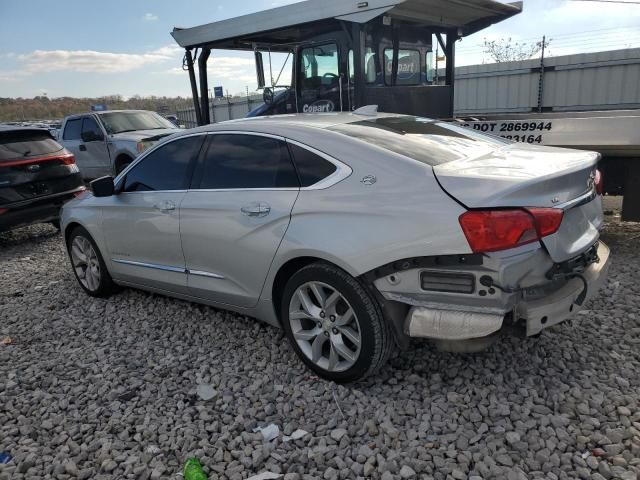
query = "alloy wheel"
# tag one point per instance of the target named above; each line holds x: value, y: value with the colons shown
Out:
x: 85, y: 263
x: 325, y: 326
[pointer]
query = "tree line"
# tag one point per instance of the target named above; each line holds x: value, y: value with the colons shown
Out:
x: 45, y: 108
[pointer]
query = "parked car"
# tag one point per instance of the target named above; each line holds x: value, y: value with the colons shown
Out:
x: 354, y: 233
x: 173, y: 119
x: 104, y: 143
x: 37, y: 175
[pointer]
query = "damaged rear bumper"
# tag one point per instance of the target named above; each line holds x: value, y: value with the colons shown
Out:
x: 535, y: 313
x: 561, y: 305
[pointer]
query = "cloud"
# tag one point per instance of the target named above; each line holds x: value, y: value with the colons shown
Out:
x: 223, y: 70
x: 89, y: 61
x: 150, y: 17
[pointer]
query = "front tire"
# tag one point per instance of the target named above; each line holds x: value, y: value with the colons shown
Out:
x: 88, y: 264
x: 334, y: 325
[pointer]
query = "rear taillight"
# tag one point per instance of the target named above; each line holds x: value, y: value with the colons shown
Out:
x: 65, y: 158
x: 68, y: 159
x: 494, y: 230
x: 599, y: 182
x: 80, y: 192
x: 3, y: 210
x: 548, y: 220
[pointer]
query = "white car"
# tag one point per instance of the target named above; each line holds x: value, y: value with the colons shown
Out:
x: 105, y: 143
x: 353, y: 233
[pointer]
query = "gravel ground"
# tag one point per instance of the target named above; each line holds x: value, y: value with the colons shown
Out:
x: 108, y: 389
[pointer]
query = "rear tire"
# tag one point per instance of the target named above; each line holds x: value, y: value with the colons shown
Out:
x: 334, y: 325
x: 88, y: 264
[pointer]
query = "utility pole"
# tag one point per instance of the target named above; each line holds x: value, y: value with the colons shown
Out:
x: 541, y: 78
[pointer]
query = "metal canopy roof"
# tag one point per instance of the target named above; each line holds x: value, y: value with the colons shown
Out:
x: 282, y: 24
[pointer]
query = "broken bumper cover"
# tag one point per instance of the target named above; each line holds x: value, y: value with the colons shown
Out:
x: 561, y: 305
x: 463, y: 324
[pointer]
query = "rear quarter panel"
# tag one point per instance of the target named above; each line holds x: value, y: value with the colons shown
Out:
x: 360, y: 227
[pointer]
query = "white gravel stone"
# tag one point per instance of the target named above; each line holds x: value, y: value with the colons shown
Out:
x: 107, y: 388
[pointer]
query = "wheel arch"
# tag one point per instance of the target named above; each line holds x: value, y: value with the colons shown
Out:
x: 121, y: 158
x: 289, y: 268
x: 70, y: 227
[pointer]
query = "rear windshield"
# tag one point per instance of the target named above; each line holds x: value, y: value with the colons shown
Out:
x: 17, y: 144
x: 422, y: 139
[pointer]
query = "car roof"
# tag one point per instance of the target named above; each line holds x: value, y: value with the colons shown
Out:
x: 76, y: 115
x: 15, y: 128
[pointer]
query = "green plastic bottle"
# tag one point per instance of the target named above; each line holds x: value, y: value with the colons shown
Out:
x: 193, y: 470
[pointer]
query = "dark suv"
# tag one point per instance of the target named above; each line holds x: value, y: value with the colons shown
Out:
x: 37, y: 175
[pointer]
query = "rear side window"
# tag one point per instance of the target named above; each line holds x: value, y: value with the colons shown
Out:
x: 247, y: 161
x: 17, y: 145
x: 311, y: 168
x: 72, y: 129
x: 165, y: 169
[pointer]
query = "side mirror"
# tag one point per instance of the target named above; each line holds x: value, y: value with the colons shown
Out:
x: 260, y: 70
x: 103, y: 187
x: 91, y: 137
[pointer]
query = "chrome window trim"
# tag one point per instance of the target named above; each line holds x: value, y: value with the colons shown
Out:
x: 164, y: 268
x: 343, y: 171
x: 223, y: 190
x: 153, y: 191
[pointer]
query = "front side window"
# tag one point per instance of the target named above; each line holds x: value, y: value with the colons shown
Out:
x: 319, y: 67
x: 91, y: 130
x: 165, y: 169
x: 245, y: 162
x: 72, y: 129
x: 409, y: 70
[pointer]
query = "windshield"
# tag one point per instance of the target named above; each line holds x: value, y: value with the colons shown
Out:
x: 421, y: 139
x: 120, y: 122
x: 19, y: 144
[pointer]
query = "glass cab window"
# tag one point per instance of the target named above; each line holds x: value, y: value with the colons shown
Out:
x: 168, y: 168
x: 91, y: 131
x: 320, y: 68
x: 247, y: 162
x: 72, y: 129
x: 370, y: 70
x: 409, y: 69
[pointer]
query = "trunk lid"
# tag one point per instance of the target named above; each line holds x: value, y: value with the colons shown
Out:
x: 531, y: 176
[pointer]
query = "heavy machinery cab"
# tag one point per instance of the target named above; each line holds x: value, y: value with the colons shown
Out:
x: 344, y: 54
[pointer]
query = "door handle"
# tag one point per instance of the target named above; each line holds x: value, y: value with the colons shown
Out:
x: 165, y: 207
x: 256, y: 209
x: 82, y: 148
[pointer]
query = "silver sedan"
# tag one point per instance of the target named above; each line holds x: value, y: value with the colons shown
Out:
x: 354, y: 233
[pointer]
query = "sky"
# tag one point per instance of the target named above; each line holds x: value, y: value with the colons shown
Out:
x: 80, y: 48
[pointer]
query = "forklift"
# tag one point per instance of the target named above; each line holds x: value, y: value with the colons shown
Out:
x: 346, y: 54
